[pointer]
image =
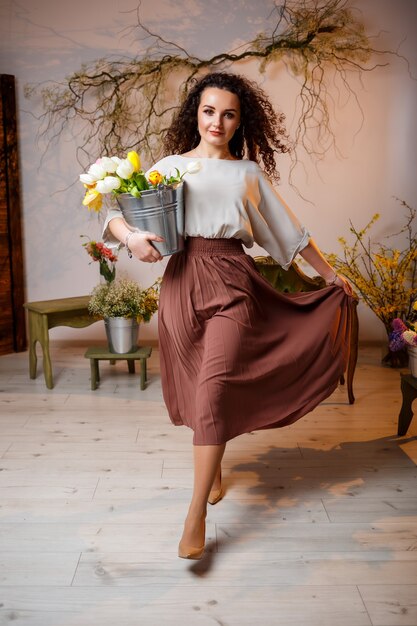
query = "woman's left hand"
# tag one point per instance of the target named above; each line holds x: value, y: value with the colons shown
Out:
x: 344, y: 284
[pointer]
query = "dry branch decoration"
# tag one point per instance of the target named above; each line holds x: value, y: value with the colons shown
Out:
x: 128, y: 104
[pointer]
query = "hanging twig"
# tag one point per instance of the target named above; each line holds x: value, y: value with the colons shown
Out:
x: 118, y: 105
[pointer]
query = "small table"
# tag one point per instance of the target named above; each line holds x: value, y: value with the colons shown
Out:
x: 46, y: 314
x: 101, y: 353
x: 409, y: 391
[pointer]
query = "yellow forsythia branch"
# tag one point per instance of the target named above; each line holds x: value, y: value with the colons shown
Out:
x: 384, y: 276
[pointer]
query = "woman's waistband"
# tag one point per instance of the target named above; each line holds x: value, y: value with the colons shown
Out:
x: 201, y: 246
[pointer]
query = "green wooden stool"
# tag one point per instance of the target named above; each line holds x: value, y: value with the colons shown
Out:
x: 47, y: 314
x: 101, y: 353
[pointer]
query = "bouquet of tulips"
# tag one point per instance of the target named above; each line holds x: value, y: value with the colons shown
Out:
x: 115, y: 175
x: 104, y: 256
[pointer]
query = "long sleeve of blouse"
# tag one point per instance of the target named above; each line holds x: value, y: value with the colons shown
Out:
x: 229, y: 198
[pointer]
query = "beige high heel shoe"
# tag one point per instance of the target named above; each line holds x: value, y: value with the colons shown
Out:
x: 191, y: 552
x: 216, y: 495
x: 187, y: 552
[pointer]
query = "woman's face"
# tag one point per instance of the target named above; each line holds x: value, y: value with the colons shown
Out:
x: 218, y: 116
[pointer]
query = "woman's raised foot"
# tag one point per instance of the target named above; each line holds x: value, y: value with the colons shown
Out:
x: 192, y: 541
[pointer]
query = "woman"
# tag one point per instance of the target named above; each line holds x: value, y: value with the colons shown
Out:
x: 235, y: 354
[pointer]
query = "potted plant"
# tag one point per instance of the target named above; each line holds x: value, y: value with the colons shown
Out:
x: 383, y: 275
x: 123, y: 305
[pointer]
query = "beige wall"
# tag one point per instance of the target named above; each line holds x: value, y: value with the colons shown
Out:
x: 47, y: 40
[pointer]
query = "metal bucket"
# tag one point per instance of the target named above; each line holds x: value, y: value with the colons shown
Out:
x: 122, y: 334
x: 159, y: 211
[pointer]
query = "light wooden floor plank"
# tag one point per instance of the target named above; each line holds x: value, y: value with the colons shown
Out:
x: 391, y: 604
x: 175, y: 605
x: 172, y: 510
x: 64, y: 537
x: 20, y: 568
x: 318, y: 526
x: 273, y: 568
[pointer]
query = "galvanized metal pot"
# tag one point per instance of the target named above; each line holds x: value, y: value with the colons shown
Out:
x: 159, y: 211
x: 122, y: 334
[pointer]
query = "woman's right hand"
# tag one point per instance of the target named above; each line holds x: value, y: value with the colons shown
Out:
x: 141, y: 248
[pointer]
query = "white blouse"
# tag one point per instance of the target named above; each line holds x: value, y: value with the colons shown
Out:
x: 233, y: 198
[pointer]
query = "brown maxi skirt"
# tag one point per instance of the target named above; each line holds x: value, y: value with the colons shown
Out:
x: 238, y: 356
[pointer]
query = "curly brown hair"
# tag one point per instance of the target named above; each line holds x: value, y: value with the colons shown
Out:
x: 260, y: 135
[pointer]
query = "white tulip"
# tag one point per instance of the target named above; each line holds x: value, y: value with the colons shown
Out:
x: 116, y: 160
x: 409, y: 336
x: 87, y: 179
x: 109, y: 165
x: 108, y: 184
x: 125, y: 169
x: 193, y: 167
x: 97, y: 171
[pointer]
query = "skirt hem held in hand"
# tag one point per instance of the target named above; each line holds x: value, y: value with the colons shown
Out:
x: 238, y: 356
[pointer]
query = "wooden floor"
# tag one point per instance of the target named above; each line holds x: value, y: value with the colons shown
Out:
x: 318, y: 526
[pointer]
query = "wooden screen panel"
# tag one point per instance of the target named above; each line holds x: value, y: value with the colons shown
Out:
x: 12, y: 319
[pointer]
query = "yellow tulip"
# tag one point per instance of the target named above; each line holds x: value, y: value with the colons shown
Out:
x: 93, y: 200
x: 134, y: 158
x: 155, y: 177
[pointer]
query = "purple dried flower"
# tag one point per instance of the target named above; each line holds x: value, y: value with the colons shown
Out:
x: 398, y: 325
x: 396, y: 341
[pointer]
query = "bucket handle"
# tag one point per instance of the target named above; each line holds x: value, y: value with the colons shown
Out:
x: 161, y: 191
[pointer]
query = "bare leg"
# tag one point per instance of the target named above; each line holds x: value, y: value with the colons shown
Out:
x: 217, y: 483
x: 207, y: 461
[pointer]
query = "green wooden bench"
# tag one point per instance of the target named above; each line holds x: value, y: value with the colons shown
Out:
x: 101, y: 353
x: 47, y: 314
